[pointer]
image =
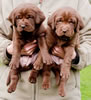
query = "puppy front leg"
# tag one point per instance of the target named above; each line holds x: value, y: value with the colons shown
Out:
x: 14, y: 63
x: 44, y: 51
x: 66, y: 65
x: 38, y: 64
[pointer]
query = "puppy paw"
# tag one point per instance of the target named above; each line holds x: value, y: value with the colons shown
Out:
x: 45, y: 86
x: 65, y: 73
x: 38, y: 65
x: 32, y: 79
x: 62, y: 92
x: 33, y: 76
x: 47, y: 59
x: 11, y: 88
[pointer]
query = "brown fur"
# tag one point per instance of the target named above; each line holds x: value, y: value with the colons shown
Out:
x: 63, y: 31
x: 27, y: 25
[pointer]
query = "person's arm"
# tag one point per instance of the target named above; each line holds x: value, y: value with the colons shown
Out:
x: 84, y: 50
x: 5, y: 35
x: 4, y: 42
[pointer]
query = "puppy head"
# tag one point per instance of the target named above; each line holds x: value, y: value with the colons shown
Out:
x: 25, y: 17
x: 66, y: 22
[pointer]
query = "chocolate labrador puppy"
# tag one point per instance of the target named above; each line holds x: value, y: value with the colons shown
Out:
x: 27, y: 26
x: 63, y: 31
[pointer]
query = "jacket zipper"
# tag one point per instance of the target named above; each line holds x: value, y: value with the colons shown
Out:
x: 39, y: 5
x: 34, y: 91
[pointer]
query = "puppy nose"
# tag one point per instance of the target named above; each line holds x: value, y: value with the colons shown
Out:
x: 64, y: 31
x: 23, y: 26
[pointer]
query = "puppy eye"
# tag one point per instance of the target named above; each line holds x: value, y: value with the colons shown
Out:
x: 29, y: 16
x: 59, y: 20
x: 71, y: 22
x: 19, y: 17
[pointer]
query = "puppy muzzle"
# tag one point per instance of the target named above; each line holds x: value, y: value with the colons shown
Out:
x: 64, y: 38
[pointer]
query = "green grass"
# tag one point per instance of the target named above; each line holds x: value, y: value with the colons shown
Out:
x: 86, y: 83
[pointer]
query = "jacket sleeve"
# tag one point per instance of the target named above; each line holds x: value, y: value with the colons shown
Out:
x: 4, y: 42
x: 84, y: 50
x: 4, y: 38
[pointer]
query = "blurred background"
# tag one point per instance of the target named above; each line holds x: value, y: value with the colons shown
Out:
x: 90, y: 1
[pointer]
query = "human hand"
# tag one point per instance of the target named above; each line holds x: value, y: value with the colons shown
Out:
x: 58, y: 51
x: 28, y: 49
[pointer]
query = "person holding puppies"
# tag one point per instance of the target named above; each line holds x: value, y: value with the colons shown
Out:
x: 81, y: 57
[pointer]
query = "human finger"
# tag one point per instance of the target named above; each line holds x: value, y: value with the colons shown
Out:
x: 29, y: 47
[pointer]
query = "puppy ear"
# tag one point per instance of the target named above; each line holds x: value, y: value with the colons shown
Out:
x: 39, y: 17
x: 80, y: 23
x: 11, y: 18
x: 51, y: 21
